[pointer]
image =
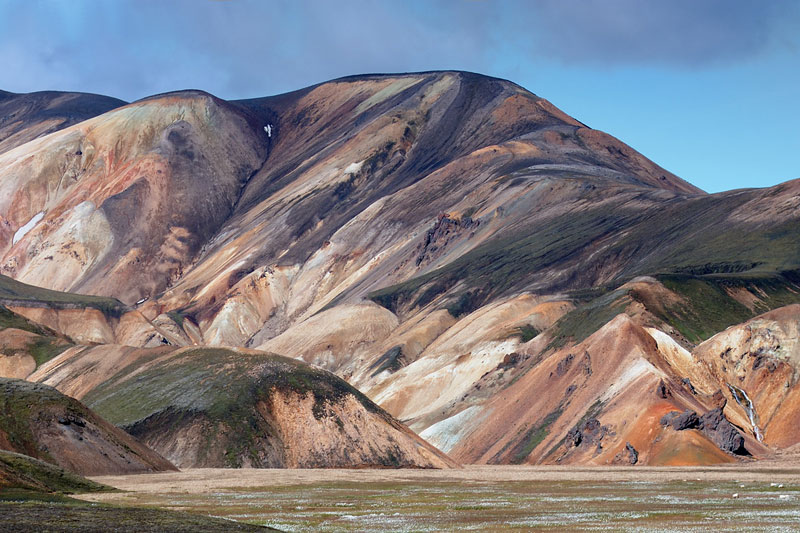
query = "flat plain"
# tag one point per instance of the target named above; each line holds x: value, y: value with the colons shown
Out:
x: 763, y: 497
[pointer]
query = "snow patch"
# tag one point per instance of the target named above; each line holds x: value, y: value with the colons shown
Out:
x: 21, y: 232
x: 446, y: 433
x: 353, y: 168
x: 268, y: 129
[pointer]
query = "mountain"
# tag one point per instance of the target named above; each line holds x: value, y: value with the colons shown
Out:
x: 42, y: 423
x: 489, y: 270
x: 213, y: 407
x: 24, y: 117
x: 200, y: 407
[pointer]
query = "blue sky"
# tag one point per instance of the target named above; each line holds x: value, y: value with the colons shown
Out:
x: 706, y: 88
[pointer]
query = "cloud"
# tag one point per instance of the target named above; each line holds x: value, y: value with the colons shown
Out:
x: 682, y: 33
x: 244, y: 48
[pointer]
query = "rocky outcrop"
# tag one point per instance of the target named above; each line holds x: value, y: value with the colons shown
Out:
x: 722, y: 432
x: 680, y: 421
x: 713, y: 424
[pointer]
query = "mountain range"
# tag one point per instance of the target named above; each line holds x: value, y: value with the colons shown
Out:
x: 399, y: 270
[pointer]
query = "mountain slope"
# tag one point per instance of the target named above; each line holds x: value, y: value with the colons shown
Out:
x: 210, y: 407
x: 440, y: 240
x: 24, y: 117
x: 40, y: 422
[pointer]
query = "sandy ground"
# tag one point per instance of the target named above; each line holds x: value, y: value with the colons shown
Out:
x: 201, y: 480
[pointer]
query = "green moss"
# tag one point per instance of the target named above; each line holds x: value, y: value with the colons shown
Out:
x: 586, y: 318
x: 534, y: 437
x: 222, y: 387
x: 43, y: 349
x: 9, y: 319
x: 525, y: 332
x: 19, y: 400
x: 15, y: 291
x: 708, y: 307
x: 23, y: 472
x: 178, y: 317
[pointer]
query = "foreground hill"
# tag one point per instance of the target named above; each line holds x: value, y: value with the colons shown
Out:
x: 211, y: 407
x: 40, y: 422
x: 20, y: 472
x: 448, y: 243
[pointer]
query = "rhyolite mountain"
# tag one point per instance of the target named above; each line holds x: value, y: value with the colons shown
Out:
x: 38, y: 421
x: 514, y: 285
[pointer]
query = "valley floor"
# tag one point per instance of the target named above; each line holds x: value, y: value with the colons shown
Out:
x: 763, y: 496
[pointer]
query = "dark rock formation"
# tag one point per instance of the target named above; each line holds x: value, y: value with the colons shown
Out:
x: 633, y: 455
x: 722, y: 432
x: 680, y: 421
x: 590, y: 433
x: 662, y: 390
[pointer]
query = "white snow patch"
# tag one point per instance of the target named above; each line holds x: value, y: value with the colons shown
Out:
x: 446, y: 433
x: 268, y: 129
x: 353, y: 168
x: 21, y: 232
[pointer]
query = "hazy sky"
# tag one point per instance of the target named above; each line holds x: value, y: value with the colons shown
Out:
x: 707, y: 88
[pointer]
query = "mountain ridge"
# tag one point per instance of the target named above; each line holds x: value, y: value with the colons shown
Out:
x: 436, y: 239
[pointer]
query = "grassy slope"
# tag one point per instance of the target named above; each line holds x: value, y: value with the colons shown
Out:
x: 16, y: 291
x: 694, y: 246
x: 705, y: 306
x: 21, y: 472
x: 223, y: 386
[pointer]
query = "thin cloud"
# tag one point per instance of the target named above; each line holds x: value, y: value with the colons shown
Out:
x: 243, y: 48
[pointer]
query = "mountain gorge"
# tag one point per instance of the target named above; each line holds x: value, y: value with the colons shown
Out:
x: 294, y: 274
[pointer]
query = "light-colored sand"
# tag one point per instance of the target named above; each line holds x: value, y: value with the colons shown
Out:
x: 200, y: 480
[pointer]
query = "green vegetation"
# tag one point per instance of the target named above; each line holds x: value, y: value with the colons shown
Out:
x: 525, y: 332
x: 222, y: 387
x: 709, y: 306
x: 42, y: 349
x: 465, y: 304
x: 585, y: 319
x: 177, y: 316
x: 30, y: 511
x: 636, y: 500
x: 533, y: 438
x: 9, y: 319
x: 20, y: 472
x: 19, y: 400
x: 20, y: 293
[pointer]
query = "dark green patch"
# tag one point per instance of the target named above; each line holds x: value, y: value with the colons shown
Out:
x: 13, y: 292
x: 9, y: 319
x: 533, y: 438
x: 21, y: 473
x: 220, y: 387
x: 525, y: 332
x: 43, y: 349
x: 178, y: 317
x: 709, y: 308
x: 585, y: 319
